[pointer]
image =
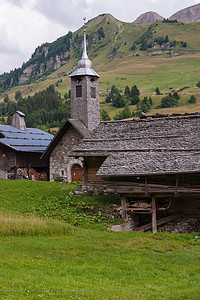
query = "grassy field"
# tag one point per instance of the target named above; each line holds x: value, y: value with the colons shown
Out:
x: 87, y: 261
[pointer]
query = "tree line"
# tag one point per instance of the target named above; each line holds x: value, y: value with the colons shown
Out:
x: 120, y: 99
x: 45, y: 109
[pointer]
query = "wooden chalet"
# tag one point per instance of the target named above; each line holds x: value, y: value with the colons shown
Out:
x: 21, y: 148
x: 153, y: 164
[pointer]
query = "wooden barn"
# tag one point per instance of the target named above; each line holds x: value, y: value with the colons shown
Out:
x: 153, y: 164
x: 21, y: 149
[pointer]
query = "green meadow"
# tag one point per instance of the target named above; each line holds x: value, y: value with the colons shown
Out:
x: 54, y: 245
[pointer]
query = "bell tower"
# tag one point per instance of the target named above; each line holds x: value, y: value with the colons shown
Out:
x: 85, y: 92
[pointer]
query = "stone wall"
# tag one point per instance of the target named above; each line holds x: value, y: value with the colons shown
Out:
x: 94, y: 190
x: 182, y: 225
x: 60, y: 163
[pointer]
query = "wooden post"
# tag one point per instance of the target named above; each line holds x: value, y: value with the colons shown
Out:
x: 84, y: 172
x: 154, y: 223
x: 124, y: 208
x: 146, y: 186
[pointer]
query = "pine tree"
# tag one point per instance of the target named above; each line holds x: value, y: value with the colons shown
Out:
x: 127, y: 92
x: 104, y: 115
x: 157, y: 91
x: 134, y: 91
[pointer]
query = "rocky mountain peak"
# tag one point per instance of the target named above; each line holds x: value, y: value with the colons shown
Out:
x: 148, y: 17
x: 189, y: 14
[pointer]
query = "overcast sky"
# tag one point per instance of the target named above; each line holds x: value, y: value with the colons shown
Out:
x: 26, y: 24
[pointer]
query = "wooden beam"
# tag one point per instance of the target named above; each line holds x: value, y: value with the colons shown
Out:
x: 161, y: 222
x: 154, y: 223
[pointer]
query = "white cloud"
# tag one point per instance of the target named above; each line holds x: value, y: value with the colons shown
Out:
x: 21, y: 30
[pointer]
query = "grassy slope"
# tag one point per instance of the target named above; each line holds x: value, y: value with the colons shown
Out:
x: 124, y: 68
x: 90, y: 263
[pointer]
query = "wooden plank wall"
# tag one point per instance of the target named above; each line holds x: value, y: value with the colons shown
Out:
x: 92, y: 165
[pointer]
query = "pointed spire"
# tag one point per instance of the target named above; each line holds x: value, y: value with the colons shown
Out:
x: 85, y: 62
x: 85, y: 45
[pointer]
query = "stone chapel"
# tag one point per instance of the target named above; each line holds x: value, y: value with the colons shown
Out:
x: 85, y: 117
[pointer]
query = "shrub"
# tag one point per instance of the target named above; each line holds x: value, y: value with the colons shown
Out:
x: 135, y: 100
x: 198, y: 84
x: 192, y: 99
x: 104, y: 115
x: 176, y: 95
x: 168, y: 101
x: 124, y: 114
x: 133, y: 47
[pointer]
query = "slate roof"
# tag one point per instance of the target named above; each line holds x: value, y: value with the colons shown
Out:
x: 29, y: 140
x: 76, y: 123
x: 162, y: 145
x: 84, y: 71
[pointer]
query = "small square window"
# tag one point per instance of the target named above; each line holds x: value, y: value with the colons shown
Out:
x: 78, y: 91
x: 93, y: 92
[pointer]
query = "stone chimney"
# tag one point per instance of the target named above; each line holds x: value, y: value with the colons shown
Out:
x: 18, y: 120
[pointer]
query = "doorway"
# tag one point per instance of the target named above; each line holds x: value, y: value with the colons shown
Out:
x: 77, y: 173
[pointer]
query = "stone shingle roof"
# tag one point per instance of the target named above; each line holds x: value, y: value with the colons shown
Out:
x: 76, y: 123
x: 145, y: 146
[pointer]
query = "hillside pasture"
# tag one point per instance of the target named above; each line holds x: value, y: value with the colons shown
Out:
x: 87, y: 261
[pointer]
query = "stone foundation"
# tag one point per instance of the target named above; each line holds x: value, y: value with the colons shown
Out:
x: 182, y: 225
x: 94, y: 190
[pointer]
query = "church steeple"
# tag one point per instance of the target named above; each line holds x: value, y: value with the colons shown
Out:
x: 85, y: 62
x: 85, y: 91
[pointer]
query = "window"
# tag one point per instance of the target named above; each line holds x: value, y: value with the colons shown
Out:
x: 93, y: 92
x: 79, y: 91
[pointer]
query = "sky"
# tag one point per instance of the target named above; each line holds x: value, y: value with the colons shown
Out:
x: 26, y: 24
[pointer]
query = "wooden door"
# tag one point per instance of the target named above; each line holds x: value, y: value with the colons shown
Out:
x: 77, y: 173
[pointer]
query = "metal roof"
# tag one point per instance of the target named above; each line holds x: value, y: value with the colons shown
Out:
x: 84, y: 64
x: 30, y: 140
x: 20, y: 113
x: 84, y: 71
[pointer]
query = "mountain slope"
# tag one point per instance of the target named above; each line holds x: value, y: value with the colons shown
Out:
x: 189, y: 14
x: 108, y: 39
x: 148, y: 17
x: 165, y: 54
